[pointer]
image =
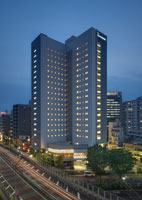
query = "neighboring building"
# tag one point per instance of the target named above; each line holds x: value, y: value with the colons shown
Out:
x: 136, y: 149
x: 21, y: 121
x: 114, y: 106
x: 69, y: 84
x: 132, y: 119
x: 115, y: 134
x: 5, y: 125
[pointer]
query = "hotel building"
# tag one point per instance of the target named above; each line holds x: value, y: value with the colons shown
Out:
x: 69, y: 84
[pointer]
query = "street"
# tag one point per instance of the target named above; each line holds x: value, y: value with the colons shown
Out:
x: 45, y: 185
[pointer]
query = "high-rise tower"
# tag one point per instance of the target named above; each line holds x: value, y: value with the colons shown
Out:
x: 69, y: 84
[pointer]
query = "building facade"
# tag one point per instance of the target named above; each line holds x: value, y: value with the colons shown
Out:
x: 132, y: 118
x: 21, y: 121
x: 114, y: 106
x: 115, y: 134
x: 69, y: 84
x: 5, y: 125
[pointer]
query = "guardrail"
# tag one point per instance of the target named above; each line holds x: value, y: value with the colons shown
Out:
x: 96, y: 192
x: 7, y: 189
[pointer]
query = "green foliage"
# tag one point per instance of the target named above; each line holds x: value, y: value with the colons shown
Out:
x: 120, y: 161
x: 31, y: 151
x: 43, y: 150
x: 47, y: 158
x: 97, y: 157
x: 117, y: 185
x: 59, y: 161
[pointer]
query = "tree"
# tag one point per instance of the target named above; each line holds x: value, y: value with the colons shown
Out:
x: 97, y: 157
x: 120, y: 161
x: 47, y: 158
x: 59, y: 161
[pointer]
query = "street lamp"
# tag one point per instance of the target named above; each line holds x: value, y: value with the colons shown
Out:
x: 9, y: 141
x: 36, y: 153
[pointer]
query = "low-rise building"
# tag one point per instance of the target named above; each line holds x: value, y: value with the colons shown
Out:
x: 115, y: 134
x: 75, y: 153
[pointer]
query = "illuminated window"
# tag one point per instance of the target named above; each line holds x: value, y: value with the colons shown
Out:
x: 98, y: 137
x: 99, y: 126
x: 98, y: 44
x: 98, y: 67
x: 98, y: 120
x: 98, y: 73
x: 98, y: 50
x: 98, y: 96
x: 99, y: 114
x: 98, y: 91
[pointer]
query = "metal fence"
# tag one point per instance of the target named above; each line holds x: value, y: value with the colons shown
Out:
x: 82, y: 186
x: 7, y: 189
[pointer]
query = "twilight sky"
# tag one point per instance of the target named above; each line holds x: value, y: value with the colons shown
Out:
x: 22, y: 20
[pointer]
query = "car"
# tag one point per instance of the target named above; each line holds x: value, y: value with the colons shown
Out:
x: 88, y: 173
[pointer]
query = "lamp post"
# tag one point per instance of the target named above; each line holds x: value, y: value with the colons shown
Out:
x: 36, y: 154
x: 9, y: 141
